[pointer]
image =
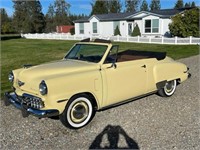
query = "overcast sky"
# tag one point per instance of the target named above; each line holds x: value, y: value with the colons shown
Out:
x: 83, y: 6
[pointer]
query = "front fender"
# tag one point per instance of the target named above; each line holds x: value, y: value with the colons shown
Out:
x: 62, y: 88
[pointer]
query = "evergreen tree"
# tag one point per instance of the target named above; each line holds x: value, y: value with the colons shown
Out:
x: 4, y: 15
x: 73, y: 17
x: 187, y: 5
x: 36, y: 15
x: 6, y: 24
x: 155, y: 5
x: 61, y: 8
x: 193, y: 4
x: 136, y: 31
x: 28, y: 16
x: 179, y: 4
x: 99, y: 7
x: 19, y: 15
x: 131, y: 5
x: 114, y: 6
x: 144, y: 6
x: 117, y: 31
x: 49, y: 18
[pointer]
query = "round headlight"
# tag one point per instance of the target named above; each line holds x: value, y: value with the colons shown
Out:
x: 11, y: 77
x: 43, y: 88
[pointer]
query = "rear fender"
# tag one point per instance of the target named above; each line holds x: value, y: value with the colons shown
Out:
x: 169, y: 71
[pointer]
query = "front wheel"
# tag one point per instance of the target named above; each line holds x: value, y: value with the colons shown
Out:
x: 168, y: 89
x: 78, y: 112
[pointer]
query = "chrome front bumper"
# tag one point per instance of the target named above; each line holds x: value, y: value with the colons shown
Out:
x: 11, y: 98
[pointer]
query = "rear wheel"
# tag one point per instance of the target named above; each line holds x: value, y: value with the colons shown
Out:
x: 78, y: 112
x: 168, y: 89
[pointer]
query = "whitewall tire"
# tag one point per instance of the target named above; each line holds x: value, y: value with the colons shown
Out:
x: 78, y: 112
x: 168, y: 89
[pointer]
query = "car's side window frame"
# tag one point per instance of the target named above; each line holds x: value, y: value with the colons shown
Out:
x: 116, y: 54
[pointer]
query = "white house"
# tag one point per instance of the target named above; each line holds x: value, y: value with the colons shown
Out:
x: 151, y: 23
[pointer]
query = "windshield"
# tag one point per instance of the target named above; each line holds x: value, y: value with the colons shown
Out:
x: 87, y: 52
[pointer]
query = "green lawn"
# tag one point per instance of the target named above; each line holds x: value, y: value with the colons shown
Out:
x: 16, y: 52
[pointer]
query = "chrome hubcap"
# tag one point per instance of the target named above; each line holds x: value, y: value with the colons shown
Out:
x: 79, y: 112
x: 169, y: 86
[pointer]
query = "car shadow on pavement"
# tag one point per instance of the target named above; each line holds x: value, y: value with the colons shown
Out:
x: 113, y: 136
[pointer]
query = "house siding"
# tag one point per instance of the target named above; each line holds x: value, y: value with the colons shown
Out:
x: 86, y: 29
x: 106, y: 28
x: 165, y: 25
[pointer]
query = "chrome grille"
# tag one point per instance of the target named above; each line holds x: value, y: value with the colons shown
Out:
x: 31, y: 101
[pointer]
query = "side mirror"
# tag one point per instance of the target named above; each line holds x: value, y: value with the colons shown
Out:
x: 112, y: 66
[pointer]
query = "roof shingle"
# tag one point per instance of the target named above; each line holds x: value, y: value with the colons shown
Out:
x: 125, y: 16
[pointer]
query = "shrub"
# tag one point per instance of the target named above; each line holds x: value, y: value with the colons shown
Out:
x: 72, y: 31
x: 136, y: 31
x: 185, y: 24
x: 117, y: 31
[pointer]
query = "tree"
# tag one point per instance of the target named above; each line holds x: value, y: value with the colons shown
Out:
x: 49, y: 18
x: 193, y: 4
x: 28, y: 16
x: 117, y: 31
x: 144, y: 6
x: 6, y: 24
x: 186, y: 24
x: 19, y: 15
x: 114, y: 6
x: 179, y: 4
x: 4, y: 15
x: 155, y: 5
x: 36, y: 16
x: 187, y: 5
x: 131, y: 5
x: 73, y: 17
x: 99, y: 7
x: 61, y: 8
x: 136, y: 31
x: 72, y: 31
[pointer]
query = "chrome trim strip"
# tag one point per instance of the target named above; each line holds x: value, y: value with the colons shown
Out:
x: 126, y: 101
x: 12, y: 98
x: 60, y: 101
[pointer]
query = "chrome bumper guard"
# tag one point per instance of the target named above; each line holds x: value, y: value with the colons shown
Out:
x: 11, y: 98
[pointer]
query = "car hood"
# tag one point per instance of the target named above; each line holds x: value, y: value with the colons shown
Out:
x: 34, y: 75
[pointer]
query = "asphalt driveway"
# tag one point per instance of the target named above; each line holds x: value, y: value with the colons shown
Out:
x: 152, y: 122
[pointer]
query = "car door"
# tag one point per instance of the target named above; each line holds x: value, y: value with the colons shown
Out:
x: 123, y: 80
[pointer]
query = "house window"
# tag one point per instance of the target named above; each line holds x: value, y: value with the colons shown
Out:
x: 81, y: 28
x: 115, y: 24
x: 155, y: 25
x: 94, y: 24
x: 152, y: 26
x: 147, y: 26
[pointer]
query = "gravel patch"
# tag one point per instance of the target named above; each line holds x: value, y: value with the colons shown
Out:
x: 152, y: 122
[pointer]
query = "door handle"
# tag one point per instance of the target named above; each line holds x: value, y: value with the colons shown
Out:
x: 144, y: 66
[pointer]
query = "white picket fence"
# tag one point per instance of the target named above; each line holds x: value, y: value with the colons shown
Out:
x: 137, y: 39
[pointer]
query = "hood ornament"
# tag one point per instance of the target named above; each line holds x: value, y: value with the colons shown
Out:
x: 20, y: 83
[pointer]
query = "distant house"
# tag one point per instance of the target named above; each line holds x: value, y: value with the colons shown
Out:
x: 63, y: 29
x: 151, y: 23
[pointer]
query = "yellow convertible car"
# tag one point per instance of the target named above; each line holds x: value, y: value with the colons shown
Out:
x: 91, y: 77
